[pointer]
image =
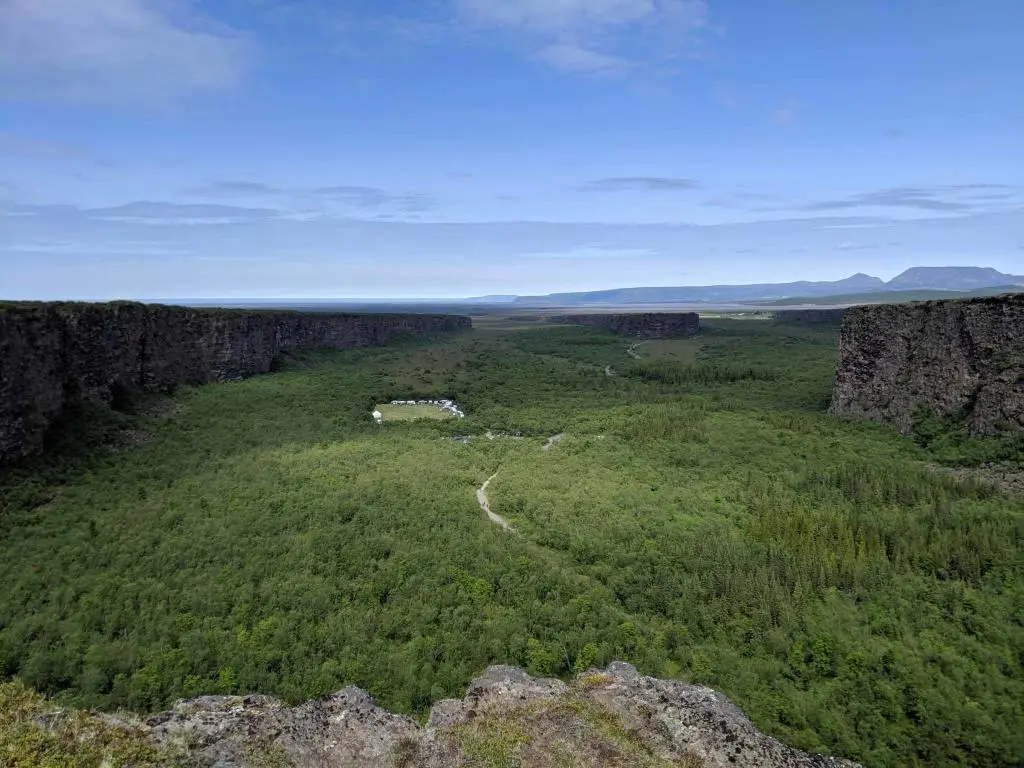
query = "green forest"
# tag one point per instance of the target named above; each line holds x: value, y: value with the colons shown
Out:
x: 703, y: 518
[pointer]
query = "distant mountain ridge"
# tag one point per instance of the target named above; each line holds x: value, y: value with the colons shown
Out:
x: 951, y: 278
x: 916, y: 278
x: 502, y: 298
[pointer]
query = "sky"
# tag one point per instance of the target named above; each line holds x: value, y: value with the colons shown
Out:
x: 445, y: 148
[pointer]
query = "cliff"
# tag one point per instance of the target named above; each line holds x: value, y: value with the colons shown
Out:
x: 55, y: 356
x: 960, y: 359
x: 648, y: 324
x: 614, y: 717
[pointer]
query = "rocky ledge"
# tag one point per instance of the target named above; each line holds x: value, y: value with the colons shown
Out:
x: 611, y: 717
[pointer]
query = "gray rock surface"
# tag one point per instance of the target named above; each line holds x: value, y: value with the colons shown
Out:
x: 958, y: 358
x: 53, y: 356
x: 615, y: 717
x: 641, y: 324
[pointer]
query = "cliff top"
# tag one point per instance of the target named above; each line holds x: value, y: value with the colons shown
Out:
x: 610, y: 717
x: 1003, y: 299
x: 81, y: 306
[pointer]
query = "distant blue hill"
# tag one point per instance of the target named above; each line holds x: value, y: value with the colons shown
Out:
x: 502, y: 298
x: 917, y: 278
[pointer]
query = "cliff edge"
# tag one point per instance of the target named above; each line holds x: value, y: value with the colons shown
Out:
x: 611, y: 717
x: 960, y: 359
x: 54, y: 356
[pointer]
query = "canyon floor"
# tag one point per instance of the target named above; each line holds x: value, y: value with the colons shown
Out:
x: 703, y: 518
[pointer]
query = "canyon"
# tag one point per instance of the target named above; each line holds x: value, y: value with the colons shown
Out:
x: 55, y: 356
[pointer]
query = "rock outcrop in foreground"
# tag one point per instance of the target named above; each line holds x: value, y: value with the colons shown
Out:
x: 53, y: 356
x: 654, y: 325
x: 614, y: 717
x: 959, y: 359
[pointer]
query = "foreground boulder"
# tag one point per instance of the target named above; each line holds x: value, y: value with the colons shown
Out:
x: 615, y: 717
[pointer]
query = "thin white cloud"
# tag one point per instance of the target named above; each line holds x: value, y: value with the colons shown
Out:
x: 574, y: 58
x: 111, y: 248
x: 344, y: 257
x: 643, y: 183
x: 555, y: 15
x: 151, y: 51
x: 593, y: 35
x: 595, y: 251
x: 174, y: 214
x: 351, y: 196
x: 785, y: 114
x: 28, y: 146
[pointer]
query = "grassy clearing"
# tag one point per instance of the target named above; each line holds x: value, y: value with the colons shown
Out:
x: 411, y: 412
x: 698, y: 520
x: 675, y: 350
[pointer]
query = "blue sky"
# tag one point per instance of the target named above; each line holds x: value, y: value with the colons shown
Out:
x: 278, y: 148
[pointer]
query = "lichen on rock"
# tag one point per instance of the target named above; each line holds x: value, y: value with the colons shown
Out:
x: 605, y: 717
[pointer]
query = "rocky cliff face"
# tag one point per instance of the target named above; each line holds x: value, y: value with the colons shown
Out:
x: 615, y: 717
x: 957, y: 358
x: 53, y: 356
x: 646, y: 324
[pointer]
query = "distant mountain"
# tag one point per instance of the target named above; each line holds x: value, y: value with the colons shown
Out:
x: 915, y: 279
x: 888, y: 297
x: 501, y: 298
x: 952, y: 278
x: 707, y: 293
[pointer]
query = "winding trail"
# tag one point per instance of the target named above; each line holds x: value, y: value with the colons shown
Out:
x: 481, y: 492
x: 485, y: 505
x: 608, y: 371
x: 631, y: 350
x: 553, y: 440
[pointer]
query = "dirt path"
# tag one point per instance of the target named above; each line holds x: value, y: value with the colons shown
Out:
x: 631, y: 350
x: 553, y: 440
x: 481, y: 492
x: 608, y: 371
x: 485, y: 505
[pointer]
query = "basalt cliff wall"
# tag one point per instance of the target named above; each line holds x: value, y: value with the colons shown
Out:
x: 56, y: 356
x: 959, y: 359
x: 647, y: 324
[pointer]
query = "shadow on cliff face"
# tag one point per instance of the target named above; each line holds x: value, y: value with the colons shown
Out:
x: 84, y: 436
x: 81, y: 436
x: 948, y: 441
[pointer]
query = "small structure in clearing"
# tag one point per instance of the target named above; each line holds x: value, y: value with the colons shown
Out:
x: 410, y: 410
